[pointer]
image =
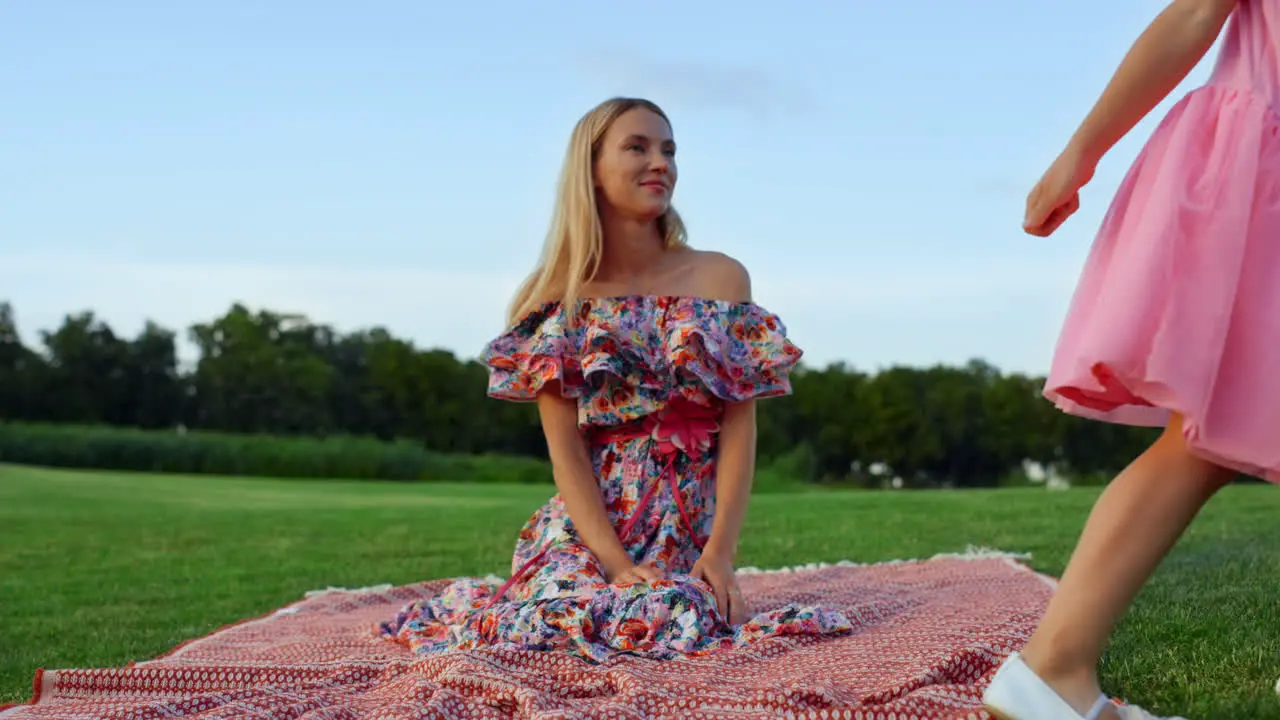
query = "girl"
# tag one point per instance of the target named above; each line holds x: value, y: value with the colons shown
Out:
x: 644, y: 357
x: 1176, y: 323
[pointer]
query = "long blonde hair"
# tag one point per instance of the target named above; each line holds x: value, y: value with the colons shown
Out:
x: 575, y: 242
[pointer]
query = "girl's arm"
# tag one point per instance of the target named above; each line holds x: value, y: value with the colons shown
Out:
x: 1160, y: 59
x: 576, y: 481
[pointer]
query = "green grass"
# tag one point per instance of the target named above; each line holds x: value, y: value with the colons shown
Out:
x: 98, y: 569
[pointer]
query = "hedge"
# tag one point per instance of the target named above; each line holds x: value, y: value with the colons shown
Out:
x: 211, y: 453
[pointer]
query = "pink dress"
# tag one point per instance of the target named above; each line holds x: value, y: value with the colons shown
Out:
x: 1178, y: 307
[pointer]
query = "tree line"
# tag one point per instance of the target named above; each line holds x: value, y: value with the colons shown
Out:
x: 267, y: 373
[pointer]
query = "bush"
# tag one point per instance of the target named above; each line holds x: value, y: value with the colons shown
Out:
x: 788, y: 472
x: 210, y: 453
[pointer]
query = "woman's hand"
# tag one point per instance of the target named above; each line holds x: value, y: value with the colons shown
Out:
x: 646, y: 572
x: 717, y: 571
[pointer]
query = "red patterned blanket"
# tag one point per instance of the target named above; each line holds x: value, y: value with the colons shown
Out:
x: 928, y: 636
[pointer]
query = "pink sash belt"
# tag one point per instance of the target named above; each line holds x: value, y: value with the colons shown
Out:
x: 682, y: 427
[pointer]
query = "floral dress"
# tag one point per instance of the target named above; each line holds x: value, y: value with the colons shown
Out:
x: 650, y: 376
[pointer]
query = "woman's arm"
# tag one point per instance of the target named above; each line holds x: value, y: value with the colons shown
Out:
x: 1160, y: 59
x: 726, y: 278
x: 735, y: 470
x: 575, y: 479
x: 736, y: 458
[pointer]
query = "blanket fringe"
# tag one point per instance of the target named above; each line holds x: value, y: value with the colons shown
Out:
x: 334, y: 589
x: 971, y: 552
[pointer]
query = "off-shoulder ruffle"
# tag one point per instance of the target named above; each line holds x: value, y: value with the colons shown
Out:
x: 739, y: 353
x: 641, y: 350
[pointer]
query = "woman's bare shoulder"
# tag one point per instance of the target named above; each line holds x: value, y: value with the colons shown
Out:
x: 720, y: 276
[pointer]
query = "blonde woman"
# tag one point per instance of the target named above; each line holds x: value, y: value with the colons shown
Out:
x: 644, y: 357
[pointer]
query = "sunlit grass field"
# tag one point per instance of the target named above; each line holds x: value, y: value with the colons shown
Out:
x: 98, y: 569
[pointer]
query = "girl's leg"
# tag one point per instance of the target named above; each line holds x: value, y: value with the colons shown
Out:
x: 1134, y: 524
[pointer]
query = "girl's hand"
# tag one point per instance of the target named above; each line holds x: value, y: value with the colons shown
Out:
x: 717, y: 571
x: 648, y: 572
x: 1056, y: 197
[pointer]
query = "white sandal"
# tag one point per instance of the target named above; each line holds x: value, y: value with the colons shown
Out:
x: 1017, y: 693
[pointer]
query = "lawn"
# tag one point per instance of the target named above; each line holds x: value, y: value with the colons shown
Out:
x: 98, y: 569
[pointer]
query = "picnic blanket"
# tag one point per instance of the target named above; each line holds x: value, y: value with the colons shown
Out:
x: 928, y: 635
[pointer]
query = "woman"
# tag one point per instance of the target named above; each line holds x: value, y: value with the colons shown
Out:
x: 644, y: 358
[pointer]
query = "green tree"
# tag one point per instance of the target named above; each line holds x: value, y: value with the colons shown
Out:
x: 257, y: 373
x: 22, y: 373
x: 268, y: 372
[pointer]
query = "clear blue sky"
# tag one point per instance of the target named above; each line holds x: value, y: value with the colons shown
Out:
x: 392, y: 163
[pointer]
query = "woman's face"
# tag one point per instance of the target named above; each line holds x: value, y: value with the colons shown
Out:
x: 635, y: 167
